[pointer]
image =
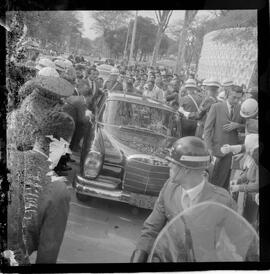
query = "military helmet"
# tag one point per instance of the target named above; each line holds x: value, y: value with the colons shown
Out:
x: 190, y: 152
x: 249, y: 108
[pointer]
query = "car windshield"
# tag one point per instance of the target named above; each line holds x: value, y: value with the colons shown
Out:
x: 139, y: 116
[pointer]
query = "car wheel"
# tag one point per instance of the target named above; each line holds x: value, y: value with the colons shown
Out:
x: 82, y: 197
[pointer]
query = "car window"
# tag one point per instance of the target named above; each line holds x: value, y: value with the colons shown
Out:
x: 139, y: 116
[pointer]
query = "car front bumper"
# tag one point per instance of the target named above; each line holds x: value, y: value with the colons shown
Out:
x: 98, y: 189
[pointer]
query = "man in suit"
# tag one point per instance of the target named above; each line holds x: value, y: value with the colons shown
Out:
x: 95, y: 92
x: 221, y: 127
x: 186, y: 187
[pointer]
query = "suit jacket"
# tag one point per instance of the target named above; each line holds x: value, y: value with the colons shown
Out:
x: 214, y: 135
x: 76, y: 107
x: 168, y: 205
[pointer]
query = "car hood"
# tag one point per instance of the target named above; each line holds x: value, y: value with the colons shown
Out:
x: 129, y: 141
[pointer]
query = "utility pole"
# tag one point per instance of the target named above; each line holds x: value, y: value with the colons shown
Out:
x: 125, y: 51
x: 133, y: 39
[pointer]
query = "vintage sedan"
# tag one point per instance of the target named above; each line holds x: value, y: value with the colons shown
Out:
x: 124, y: 160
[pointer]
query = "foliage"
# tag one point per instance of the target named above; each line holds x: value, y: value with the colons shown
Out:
x: 145, y: 35
x: 111, y: 20
x: 115, y: 40
x: 163, y: 18
x: 53, y: 26
x: 144, y: 40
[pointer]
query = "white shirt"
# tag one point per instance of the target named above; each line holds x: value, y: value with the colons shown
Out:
x: 193, y: 192
x: 229, y: 107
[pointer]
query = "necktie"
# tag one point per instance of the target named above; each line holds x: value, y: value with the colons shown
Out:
x: 186, y: 202
x: 231, y: 113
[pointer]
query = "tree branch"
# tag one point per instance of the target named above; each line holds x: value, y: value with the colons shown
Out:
x: 168, y: 19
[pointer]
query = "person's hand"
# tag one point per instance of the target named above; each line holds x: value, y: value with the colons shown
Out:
x: 89, y: 114
x: 185, y: 113
x: 237, y: 157
x: 231, y: 126
x: 225, y: 149
x: 257, y: 198
x: 210, y: 152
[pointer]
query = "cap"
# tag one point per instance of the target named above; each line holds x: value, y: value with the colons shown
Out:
x: 45, y: 62
x: 47, y: 71
x: 60, y: 65
x: 55, y: 85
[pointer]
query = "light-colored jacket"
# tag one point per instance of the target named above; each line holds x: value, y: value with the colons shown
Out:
x: 168, y: 205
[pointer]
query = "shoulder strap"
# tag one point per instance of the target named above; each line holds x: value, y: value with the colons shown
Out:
x: 193, y: 101
x: 114, y: 86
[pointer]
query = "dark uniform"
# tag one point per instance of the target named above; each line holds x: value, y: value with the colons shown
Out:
x: 189, y: 125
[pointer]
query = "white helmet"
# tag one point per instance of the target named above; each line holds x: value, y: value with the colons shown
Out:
x: 48, y: 72
x: 190, y: 83
x: 211, y: 83
x: 68, y: 63
x: 227, y: 83
x: 114, y: 71
x: 249, y: 108
x: 45, y: 62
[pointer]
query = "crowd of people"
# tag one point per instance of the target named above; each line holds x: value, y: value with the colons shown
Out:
x: 52, y: 103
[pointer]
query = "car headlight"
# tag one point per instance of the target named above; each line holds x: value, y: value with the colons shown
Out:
x: 92, y: 164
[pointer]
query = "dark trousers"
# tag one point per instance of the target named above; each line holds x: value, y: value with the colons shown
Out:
x: 87, y: 140
x: 80, y: 130
x: 222, y: 171
x: 46, y: 234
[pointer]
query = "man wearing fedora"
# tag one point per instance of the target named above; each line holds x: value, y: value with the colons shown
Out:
x: 190, y: 103
x: 211, y: 90
x: 221, y: 127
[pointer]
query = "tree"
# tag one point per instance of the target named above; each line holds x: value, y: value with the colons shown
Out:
x: 164, y: 45
x: 115, y: 40
x: 189, y: 17
x: 145, y: 36
x: 111, y: 20
x: 52, y: 26
x: 163, y: 18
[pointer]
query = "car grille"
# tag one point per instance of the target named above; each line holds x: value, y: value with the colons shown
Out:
x: 144, y: 178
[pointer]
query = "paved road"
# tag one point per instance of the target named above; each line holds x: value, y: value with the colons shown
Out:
x: 100, y: 231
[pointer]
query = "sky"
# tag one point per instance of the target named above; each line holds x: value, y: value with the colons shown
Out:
x: 88, y: 21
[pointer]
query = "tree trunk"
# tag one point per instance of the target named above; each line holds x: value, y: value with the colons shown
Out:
x: 189, y: 16
x: 157, y: 45
x: 141, y: 56
x: 181, y: 51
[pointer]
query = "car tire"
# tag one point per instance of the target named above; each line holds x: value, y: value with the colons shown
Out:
x: 82, y: 197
